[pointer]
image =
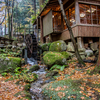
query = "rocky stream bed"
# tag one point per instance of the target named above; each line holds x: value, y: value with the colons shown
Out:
x: 42, y: 81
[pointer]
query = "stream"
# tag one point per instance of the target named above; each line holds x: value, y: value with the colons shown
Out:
x: 36, y: 87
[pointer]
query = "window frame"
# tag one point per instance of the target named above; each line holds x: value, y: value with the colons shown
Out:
x: 91, y: 14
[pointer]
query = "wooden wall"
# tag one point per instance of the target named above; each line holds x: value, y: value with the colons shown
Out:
x: 89, y: 31
x: 47, y: 24
x: 65, y: 34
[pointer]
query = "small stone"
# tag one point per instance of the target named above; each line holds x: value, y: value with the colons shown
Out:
x: 89, y: 53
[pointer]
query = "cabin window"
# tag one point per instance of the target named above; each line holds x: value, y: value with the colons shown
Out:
x: 89, y: 14
x: 56, y: 21
x: 70, y: 14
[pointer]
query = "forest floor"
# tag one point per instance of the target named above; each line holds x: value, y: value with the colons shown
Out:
x: 73, y: 83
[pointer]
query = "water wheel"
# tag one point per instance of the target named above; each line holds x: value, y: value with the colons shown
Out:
x: 31, y: 43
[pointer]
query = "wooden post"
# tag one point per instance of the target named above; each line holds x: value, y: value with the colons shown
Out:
x: 80, y: 43
x: 98, y: 62
x: 77, y: 13
x: 41, y: 27
x: 37, y: 31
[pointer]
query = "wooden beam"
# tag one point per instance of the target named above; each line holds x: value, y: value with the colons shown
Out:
x: 41, y: 27
x: 65, y: 1
x: 77, y: 13
x: 37, y: 31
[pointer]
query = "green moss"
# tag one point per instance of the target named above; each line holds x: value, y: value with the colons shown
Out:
x: 45, y: 47
x: 28, y: 77
x: 17, y: 94
x: 27, y: 87
x: 55, y: 47
x: 34, y: 68
x: 66, y: 54
x: 58, y: 46
x: 45, y: 52
x: 72, y: 89
x: 8, y: 64
x: 52, y: 58
x: 26, y: 93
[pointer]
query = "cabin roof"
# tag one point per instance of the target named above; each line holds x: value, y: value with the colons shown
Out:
x: 51, y: 4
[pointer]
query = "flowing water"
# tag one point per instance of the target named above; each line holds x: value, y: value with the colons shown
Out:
x: 36, y: 87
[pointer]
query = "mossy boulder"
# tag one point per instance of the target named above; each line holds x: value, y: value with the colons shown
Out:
x: 45, y: 46
x: 9, y: 64
x: 58, y: 46
x: 52, y: 58
x: 34, y: 68
x: 67, y: 55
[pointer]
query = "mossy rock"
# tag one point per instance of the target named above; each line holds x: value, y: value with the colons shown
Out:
x: 34, y: 68
x: 45, y: 52
x: 29, y: 77
x: 67, y: 55
x: 52, y: 58
x: 8, y: 64
x: 58, y: 46
x: 45, y: 46
x: 72, y: 88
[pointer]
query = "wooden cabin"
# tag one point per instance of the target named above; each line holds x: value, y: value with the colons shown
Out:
x: 83, y: 16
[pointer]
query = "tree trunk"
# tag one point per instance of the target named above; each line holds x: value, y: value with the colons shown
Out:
x: 71, y: 33
x: 12, y: 19
x: 8, y: 10
x: 98, y: 62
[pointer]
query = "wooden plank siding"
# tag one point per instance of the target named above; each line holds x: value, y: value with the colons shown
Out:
x: 89, y: 31
x: 66, y: 35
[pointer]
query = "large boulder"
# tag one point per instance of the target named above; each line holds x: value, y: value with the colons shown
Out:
x: 89, y: 53
x: 58, y: 46
x: 52, y: 58
x: 9, y: 63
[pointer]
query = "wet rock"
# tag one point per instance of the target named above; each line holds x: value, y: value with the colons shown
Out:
x: 51, y: 73
x: 50, y: 80
x: 34, y: 68
x: 58, y: 46
x: 89, y: 53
